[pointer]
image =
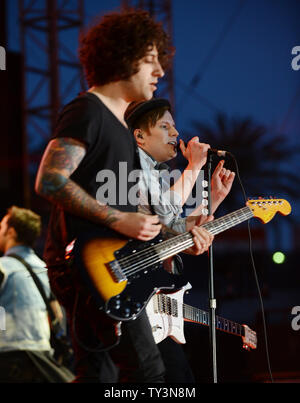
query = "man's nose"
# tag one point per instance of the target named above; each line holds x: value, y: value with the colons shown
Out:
x: 159, y: 71
x: 174, y: 132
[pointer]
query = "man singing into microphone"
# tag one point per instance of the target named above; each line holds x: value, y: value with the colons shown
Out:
x: 154, y: 129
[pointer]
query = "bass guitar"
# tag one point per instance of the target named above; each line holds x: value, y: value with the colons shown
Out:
x: 124, y: 274
x: 167, y: 314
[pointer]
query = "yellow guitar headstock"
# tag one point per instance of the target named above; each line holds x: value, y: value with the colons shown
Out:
x: 249, y: 338
x: 265, y: 209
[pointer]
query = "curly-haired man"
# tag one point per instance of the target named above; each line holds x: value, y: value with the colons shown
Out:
x: 123, y: 55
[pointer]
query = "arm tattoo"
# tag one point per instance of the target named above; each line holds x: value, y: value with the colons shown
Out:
x: 60, y: 160
x: 62, y: 157
x: 52, y: 183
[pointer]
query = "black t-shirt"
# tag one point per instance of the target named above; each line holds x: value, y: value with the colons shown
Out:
x: 103, y: 173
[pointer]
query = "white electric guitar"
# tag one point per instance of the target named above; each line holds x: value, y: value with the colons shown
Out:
x: 167, y: 314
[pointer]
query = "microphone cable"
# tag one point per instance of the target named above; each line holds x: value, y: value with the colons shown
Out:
x: 254, y: 271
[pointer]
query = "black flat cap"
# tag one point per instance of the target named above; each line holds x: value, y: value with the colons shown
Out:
x: 137, y: 109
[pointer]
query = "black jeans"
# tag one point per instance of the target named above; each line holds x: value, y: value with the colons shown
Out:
x: 135, y: 359
x: 178, y: 369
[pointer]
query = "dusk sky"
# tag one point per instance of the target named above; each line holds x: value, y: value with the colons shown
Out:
x: 239, y: 53
x: 231, y: 56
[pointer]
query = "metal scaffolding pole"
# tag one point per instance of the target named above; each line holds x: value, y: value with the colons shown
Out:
x: 51, y: 71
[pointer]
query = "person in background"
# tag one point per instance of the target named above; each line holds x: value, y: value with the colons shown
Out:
x: 25, y: 350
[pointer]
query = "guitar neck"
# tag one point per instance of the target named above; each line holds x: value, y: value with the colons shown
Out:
x: 196, y: 315
x: 183, y: 241
x: 228, y: 221
x: 171, y: 306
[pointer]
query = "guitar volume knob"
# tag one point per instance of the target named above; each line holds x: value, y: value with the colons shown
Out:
x: 137, y: 307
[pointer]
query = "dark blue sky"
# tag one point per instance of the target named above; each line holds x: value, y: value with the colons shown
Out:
x: 250, y: 71
x: 237, y: 52
x: 241, y: 49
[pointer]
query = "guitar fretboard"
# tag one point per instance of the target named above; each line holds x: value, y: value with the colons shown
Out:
x: 170, y: 306
x: 198, y: 316
x: 181, y: 242
x: 228, y: 221
x: 161, y: 251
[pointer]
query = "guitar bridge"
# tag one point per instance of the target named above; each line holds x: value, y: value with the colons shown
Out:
x: 116, y: 271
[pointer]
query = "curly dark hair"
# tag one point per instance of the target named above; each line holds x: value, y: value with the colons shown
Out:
x: 110, y: 50
x: 26, y: 223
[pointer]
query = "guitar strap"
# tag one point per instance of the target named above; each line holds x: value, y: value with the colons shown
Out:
x: 177, y: 261
x: 160, y: 167
x: 54, y: 322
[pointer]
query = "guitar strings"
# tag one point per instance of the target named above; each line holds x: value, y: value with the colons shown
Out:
x: 222, y: 324
x: 148, y: 261
x: 154, y: 248
x: 196, y: 314
x: 174, y: 248
x: 217, y: 226
x: 152, y: 259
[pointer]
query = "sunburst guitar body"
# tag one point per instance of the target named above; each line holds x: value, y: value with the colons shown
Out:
x: 121, y: 275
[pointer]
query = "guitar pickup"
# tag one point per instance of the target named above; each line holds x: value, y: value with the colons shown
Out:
x: 116, y: 271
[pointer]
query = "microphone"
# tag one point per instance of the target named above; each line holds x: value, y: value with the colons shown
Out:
x: 219, y: 153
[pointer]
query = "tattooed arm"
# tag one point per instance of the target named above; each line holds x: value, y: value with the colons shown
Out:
x: 60, y: 160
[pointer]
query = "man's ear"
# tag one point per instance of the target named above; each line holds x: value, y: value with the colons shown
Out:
x: 12, y: 233
x: 139, y: 137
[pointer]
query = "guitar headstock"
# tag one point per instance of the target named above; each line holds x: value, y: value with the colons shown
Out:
x: 249, y: 339
x: 265, y: 209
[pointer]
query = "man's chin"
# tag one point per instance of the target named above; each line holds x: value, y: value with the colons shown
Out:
x: 147, y: 97
x: 171, y: 156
